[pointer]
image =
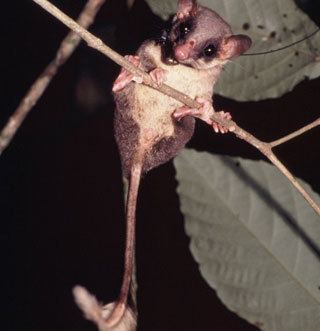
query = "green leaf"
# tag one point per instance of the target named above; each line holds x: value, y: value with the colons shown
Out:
x: 271, y: 24
x: 236, y: 213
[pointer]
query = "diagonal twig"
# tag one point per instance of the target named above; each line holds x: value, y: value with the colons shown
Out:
x: 263, y: 147
x: 66, y: 49
x: 295, y: 133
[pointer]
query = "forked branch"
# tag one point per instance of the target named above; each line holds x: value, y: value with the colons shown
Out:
x: 263, y: 147
x: 66, y: 50
x: 92, y: 309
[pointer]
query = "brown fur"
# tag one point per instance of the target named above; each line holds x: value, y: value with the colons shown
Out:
x: 145, y: 130
x: 143, y: 120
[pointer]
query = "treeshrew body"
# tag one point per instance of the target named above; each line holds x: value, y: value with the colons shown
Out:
x: 144, y: 120
x: 150, y: 127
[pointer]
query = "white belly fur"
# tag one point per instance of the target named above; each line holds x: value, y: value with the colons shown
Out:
x: 154, y: 109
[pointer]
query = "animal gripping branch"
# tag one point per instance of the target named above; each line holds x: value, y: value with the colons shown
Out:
x: 263, y: 147
x: 118, y: 316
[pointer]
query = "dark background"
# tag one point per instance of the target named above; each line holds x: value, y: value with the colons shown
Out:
x: 62, y: 220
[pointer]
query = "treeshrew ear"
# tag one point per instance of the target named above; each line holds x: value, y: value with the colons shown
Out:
x: 186, y: 8
x: 234, y: 46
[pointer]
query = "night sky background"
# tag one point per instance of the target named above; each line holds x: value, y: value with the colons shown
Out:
x: 61, y: 199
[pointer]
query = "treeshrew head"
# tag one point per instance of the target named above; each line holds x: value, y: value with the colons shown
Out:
x: 200, y: 38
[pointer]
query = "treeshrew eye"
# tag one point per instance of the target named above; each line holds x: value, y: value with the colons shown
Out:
x: 210, y: 50
x: 184, y: 28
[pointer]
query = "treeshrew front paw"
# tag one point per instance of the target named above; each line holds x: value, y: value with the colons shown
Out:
x: 125, y: 77
x: 158, y: 75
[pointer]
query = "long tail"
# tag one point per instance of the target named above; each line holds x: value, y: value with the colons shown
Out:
x: 121, y: 304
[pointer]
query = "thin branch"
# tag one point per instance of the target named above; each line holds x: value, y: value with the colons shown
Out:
x: 295, y: 133
x: 266, y: 150
x: 67, y: 47
x: 96, y: 43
